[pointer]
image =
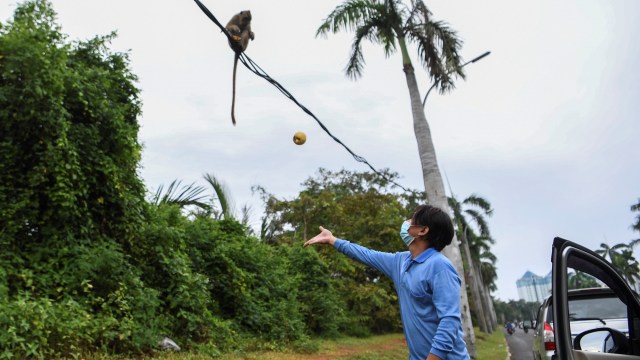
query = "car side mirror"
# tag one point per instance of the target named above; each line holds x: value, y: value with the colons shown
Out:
x: 604, y: 340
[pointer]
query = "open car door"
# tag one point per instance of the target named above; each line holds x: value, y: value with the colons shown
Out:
x: 568, y: 259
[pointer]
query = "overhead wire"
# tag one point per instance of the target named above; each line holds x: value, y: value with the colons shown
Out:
x: 253, y: 67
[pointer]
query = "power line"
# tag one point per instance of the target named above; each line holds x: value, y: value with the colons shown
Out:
x: 253, y: 67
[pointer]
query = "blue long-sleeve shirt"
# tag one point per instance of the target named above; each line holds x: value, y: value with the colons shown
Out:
x: 428, y: 289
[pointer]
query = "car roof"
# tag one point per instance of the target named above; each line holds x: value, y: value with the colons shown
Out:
x: 587, y: 292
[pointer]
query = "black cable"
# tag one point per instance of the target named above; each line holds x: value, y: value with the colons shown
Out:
x: 253, y: 67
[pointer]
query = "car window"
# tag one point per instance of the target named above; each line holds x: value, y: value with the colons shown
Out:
x: 539, y: 319
x: 601, y: 308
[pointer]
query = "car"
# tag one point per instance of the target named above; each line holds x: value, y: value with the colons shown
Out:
x: 526, y: 325
x: 589, y: 308
x: 606, y: 341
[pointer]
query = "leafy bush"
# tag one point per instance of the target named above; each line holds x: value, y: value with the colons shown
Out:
x: 320, y: 304
x: 160, y: 253
x: 42, y: 328
x: 249, y: 282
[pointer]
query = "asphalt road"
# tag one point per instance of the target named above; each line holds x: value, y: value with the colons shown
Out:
x: 520, y: 344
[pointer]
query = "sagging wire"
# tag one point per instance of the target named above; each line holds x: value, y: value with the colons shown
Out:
x: 253, y: 67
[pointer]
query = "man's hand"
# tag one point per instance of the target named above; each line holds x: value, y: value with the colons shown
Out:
x: 325, y: 237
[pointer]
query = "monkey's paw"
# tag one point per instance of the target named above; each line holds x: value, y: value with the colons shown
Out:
x: 236, y: 38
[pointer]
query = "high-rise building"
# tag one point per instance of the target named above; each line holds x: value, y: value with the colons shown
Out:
x: 534, y: 288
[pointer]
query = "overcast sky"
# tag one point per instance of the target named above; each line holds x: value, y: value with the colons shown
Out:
x: 545, y: 128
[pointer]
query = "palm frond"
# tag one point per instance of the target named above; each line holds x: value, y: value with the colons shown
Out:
x: 485, y: 255
x: 478, y: 218
x: 348, y: 16
x: 356, y: 59
x: 438, y: 46
x: 370, y: 20
x: 176, y: 194
x: 479, y: 202
x: 223, y: 195
x: 633, y: 243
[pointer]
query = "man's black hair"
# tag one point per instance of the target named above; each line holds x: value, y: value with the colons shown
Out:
x: 440, y: 225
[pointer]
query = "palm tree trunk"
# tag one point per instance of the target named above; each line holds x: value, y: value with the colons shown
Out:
x: 489, y: 313
x: 493, y: 314
x: 434, y: 188
x: 475, y: 286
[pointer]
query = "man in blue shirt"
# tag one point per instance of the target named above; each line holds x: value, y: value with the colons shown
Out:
x: 427, y: 284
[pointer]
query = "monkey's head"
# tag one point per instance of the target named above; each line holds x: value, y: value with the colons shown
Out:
x: 245, y: 17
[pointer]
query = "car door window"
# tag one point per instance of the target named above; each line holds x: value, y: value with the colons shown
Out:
x: 597, y: 308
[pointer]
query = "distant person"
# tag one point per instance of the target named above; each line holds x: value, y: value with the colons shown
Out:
x: 510, y: 327
x: 427, y: 284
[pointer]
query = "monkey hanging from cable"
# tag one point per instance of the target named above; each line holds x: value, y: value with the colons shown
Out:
x: 239, y: 27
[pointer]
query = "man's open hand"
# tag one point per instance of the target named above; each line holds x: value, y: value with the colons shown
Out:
x: 325, y: 237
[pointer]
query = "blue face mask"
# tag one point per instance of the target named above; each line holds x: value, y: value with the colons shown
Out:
x: 404, y: 233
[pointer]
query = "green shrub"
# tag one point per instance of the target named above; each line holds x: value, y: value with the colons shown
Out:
x: 320, y: 305
x: 41, y: 328
x: 249, y: 280
x: 161, y: 256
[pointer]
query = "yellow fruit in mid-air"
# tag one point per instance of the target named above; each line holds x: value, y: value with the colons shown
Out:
x: 299, y: 138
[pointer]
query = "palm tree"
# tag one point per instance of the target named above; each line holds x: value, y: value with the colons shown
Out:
x: 205, y: 205
x: 181, y: 195
x: 393, y: 24
x: 628, y: 266
x: 474, y: 209
x: 622, y: 259
x: 462, y: 227
x: 580, y: 280
x: 608, y: 252
x: 224, y: 198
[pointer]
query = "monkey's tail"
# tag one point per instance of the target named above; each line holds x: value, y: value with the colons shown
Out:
x: 233, y: 93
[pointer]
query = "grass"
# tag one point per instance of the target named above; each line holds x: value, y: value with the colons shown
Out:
x: 491, y: 346
x: 383, y: 347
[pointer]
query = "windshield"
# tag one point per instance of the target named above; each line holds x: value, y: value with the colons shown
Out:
x: 590, y: 308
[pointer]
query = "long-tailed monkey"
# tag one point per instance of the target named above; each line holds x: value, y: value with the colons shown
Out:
x: 240, y: 29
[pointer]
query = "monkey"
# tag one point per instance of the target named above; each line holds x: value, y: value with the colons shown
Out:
x: 239, y: 27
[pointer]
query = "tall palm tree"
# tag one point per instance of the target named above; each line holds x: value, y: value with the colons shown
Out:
x: 393, y: 24
x: 473, y: 210
x: 462, y: 229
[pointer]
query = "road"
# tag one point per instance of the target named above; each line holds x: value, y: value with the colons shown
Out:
x: 520, y: 344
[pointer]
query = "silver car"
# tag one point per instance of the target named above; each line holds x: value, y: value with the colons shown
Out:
x: 588, y: 309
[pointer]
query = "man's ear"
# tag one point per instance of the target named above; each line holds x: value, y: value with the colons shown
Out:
x: 424, y: 231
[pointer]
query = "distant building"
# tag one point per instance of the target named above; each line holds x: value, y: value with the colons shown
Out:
x: 534, y: 288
